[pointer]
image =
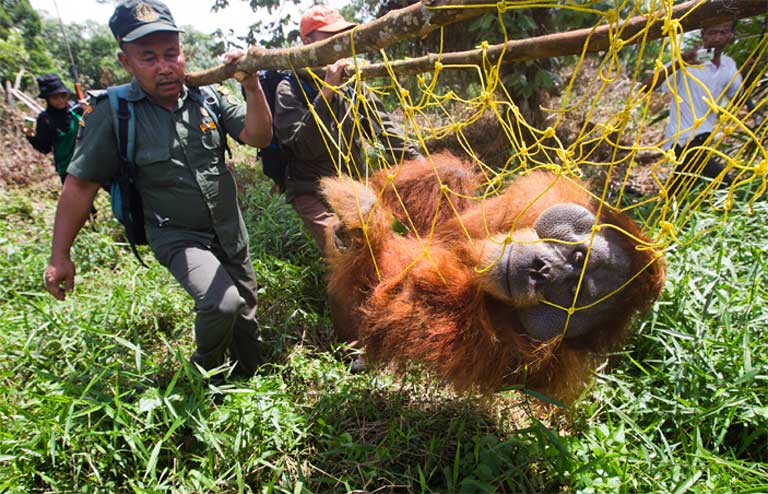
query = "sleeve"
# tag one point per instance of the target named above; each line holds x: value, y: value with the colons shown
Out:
x: 735, y: 83
x: 232, y: 110
x: 295, y: 126
x: 389, y: 134
x: 44, y: 134
x: 96, y: 158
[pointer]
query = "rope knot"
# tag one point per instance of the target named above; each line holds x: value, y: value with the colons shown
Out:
x: 762, y: 167
x: 671, y: 156
x: 671, y: 26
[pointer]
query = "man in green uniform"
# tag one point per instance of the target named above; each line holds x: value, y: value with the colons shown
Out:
x: 192, y: 219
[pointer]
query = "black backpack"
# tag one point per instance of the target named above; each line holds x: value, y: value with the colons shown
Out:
x: 125, y: 199
x: 274, y: 160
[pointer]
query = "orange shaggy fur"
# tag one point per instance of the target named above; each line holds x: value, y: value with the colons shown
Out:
x: 418, y: 296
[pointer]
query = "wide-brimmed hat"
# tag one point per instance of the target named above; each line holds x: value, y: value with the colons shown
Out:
x: 51, y: 84
x: 324, y: 19
x: 134, y: 19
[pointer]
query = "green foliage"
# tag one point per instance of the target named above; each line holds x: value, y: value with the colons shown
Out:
x: 201, y: 50
x: 19, y: 20
x: 93, y: 48
x: 281, y: 29
x: 13, y: 55
x: 95, y: 52
x: 688, y: 412
x: 96, y: 395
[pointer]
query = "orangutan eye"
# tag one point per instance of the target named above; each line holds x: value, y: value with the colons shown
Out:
x: 577, y: 258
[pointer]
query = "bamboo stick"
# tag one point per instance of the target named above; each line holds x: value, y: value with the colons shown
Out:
x: 9, y: 95
x: 27, y: 100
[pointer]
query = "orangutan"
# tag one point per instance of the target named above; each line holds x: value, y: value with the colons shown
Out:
x: 480, y: 289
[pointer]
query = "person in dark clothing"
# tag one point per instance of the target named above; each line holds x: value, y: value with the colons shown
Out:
x: 300, y: 131
x: 57, y: 126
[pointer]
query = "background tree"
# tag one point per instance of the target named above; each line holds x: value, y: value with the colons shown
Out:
x: 93, y: 48
x: 280, y: 24
x: 20, y: 42
x: 95, y: 52
x: 202, y: 51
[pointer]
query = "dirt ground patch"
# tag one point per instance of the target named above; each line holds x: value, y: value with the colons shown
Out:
x: 20, y: 164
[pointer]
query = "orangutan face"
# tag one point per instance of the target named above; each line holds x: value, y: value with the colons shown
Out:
x: 549, y: 265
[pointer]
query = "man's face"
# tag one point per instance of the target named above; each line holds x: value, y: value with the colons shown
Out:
x: 717, y: 36
x: 58, y: 101
x: 316, y: 36
x: 157, y: 64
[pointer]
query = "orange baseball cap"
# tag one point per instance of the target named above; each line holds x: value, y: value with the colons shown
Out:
x: 324, y: 19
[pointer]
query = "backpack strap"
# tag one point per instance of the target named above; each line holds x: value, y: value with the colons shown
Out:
x: 124, y: 124
x: 302, y: 87
x: 206, y: 97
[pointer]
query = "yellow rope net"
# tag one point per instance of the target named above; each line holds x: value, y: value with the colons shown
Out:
x: 430, y: 113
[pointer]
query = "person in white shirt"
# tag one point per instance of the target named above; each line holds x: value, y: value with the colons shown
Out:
x: 691, y: 120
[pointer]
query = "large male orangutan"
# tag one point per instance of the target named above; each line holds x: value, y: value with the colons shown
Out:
x: 480, y: 290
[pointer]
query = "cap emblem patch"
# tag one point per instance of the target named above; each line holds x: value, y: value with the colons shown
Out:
x: 145, y: 13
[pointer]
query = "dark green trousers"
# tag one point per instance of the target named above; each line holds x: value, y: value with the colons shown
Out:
x: 224, y: 291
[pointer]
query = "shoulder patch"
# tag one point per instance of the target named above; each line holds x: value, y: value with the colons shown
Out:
x: 227, y: 94
x: 97, y: 94
x: 98, y: 100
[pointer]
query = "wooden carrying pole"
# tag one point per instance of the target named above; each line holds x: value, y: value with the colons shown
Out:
x: 426, y: 16
x: 414, y: 21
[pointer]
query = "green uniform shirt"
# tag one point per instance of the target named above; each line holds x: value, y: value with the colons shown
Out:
x: 187, y: 191
x: 306, y: 146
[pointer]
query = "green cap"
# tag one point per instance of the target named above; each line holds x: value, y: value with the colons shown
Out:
x: 134, y: 19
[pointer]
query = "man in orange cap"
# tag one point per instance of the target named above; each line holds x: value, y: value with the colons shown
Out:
x: 320, y: 22
x: 306, y: 143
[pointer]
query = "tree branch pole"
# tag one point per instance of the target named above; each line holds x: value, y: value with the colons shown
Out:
x: 694, y: 14
x: 414, y: 21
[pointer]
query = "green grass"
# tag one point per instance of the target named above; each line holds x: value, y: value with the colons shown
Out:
x: 96, y: 395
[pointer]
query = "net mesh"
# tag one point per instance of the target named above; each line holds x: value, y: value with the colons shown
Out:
x: 614, y: 149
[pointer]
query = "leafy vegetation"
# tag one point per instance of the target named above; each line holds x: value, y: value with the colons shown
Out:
x: 38, y: 46
x: 96, y: 394
x: 20, y: 42
x: 93, y: 48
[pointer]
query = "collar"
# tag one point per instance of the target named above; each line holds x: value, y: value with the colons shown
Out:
x: 135, y: 93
